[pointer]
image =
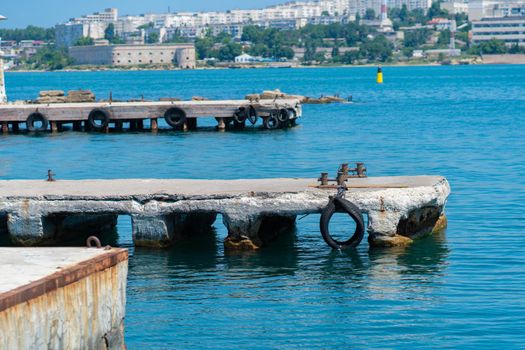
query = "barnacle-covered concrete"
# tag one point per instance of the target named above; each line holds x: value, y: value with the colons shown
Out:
x: 399, y: 209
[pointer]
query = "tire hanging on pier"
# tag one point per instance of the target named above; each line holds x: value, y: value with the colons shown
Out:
x: 253, y: 116
x: 98, y: 119
x: 33, y: 119
x: 337, y: 205
x: 283, y: 115
x: 240, y: 115
x: 272, y: 122
x: 175, y: 117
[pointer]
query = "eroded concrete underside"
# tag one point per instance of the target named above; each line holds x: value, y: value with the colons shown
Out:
x: 162, y: 211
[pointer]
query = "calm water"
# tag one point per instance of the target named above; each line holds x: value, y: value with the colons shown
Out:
x: 463, y: 288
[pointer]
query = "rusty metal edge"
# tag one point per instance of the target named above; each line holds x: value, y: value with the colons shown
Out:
x: 62, y: 278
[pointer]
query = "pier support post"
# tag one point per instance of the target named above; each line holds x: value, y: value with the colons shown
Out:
x: 5, y: 127
x: 118, y: 125
x: 154, y: 125
x: 29, y: 230
x: 152, y: 231
x: 15, y: 126
x: 390, y: 228
x: 77, y: 126
x: 54, y: 126
x: 221, y: 124
x: 162, y: 231
x: 242, y: 232
x: 185, y: 126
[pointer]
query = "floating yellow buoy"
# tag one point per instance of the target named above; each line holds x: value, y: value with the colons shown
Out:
x: 379, y: 75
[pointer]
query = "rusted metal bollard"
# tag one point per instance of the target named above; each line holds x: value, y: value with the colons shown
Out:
x: 324, y: 179
x: 361, y: 170
x: 50, y: 175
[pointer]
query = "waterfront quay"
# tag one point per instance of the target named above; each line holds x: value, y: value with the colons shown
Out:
x: 254, y: 211
x: 62, y: 298
x: 180, y: 115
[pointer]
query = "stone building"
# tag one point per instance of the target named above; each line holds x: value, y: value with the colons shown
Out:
x: 181, y: 55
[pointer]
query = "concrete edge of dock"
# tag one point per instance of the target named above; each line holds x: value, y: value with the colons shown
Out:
x: 82, y: 305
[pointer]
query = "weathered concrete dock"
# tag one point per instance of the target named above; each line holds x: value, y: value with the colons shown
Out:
x: 138, y: 115
x: 62, y: 298
x: 39, y: 212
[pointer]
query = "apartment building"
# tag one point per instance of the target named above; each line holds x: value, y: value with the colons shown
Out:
x: 510, y: 29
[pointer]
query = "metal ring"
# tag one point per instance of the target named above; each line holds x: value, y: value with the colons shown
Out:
x: 92, y: 240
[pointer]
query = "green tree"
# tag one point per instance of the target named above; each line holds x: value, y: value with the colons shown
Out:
x: 435, y: 11
x: 109, y: 33
x: 416, y: 38
x: 377, y: 49
x: 493, y: 46
x: 444, y: 37
x: 229, y: 51
x: 29, y: 33
x: 50, y: 58
x: 370, y: 14
x: 153, y: 38
x: 84, y: 41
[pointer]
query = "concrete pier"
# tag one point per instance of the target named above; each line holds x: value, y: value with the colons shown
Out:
x: 62, y: 298
x: 399, y: 209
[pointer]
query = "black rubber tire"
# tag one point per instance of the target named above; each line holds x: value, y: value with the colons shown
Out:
x: 283, y: 115
x: 342, y: 205
x: 253, y: 116
x: 37, y: 117
x: 240, y: 115
x: 101, y: 115
x: 175, y: 117
x: 271, y: 122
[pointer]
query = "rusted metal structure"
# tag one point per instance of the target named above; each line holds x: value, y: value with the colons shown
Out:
x: 62, y: 298
x: 140, y: 115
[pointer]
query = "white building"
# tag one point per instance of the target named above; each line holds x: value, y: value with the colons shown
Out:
x: 455, y: 7
x: 91, y: 26
x: 511, y: 30
x: 479, y: 9
x: 244, y: 58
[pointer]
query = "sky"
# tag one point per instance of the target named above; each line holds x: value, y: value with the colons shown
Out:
x: 47, y: 13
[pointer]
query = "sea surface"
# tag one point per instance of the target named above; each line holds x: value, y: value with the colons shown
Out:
x: 463, y: 288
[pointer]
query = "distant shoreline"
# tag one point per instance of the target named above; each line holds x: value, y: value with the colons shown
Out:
x: 134, y: 69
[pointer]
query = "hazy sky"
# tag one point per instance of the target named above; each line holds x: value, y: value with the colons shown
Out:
x: 47, y: 13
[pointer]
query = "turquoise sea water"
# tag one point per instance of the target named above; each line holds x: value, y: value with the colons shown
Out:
x: 460, y: 289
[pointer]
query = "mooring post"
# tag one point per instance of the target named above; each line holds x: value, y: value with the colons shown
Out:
x: 222, y: 124
x: 154, y: 125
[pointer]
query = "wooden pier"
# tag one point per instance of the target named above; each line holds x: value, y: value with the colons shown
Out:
x: 145, y: 115
x: 399, y: 209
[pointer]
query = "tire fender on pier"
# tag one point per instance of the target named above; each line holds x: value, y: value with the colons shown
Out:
x: 283, y: 115
x: 175, y: 117
x: 337, y: 205
x: 240, y: 115
x: 98, y: 119
x: 37, y: 117
x: 272, y: 121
